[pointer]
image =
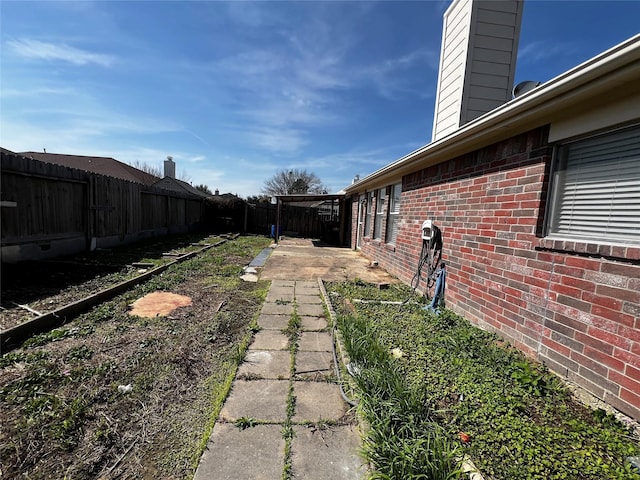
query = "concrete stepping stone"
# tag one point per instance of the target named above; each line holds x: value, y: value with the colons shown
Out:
x: 315, y: 342
x: 269, y: 340
x: 323, y: 453
x: 273, y: 322
x: 314, y: 365
x: 311, y: 310
x: 308, y: 292
x: 304, y: 284
x: 277, y: 309
x: 310, y: 409
x: 264, y: 400
x: 281, y: 294
x: 256, y: 453
x: 265, y: 364
x: 312, y: 323
x: 308, y: 300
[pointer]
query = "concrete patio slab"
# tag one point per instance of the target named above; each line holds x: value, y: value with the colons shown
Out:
x: 267, y: 364
x: 298, y: 259
x: 269, y: 340
x: 314, y: 365
x: 277, y: 283
x: 307, y: 292
x: 264, y: 400
x: 313, y: 323
x: 309, y: 299
x: 277, y: 309
x: 281, y: 294
x: 273, y: 322
x: 323, y: 453
x: 254, y: 453
x: 315, y: 342
x: 316, y: 401
x: 310, y: 310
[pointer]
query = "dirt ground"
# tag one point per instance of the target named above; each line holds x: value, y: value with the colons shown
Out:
x: 306, y: 259
x: 114, y: 395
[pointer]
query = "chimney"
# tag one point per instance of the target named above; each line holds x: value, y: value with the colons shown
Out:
x: 477, y: 61
x: 169, y: 167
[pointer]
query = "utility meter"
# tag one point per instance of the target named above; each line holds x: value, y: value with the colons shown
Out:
x: 427, y: 230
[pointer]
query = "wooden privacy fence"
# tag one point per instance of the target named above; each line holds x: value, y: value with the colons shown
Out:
x: 49, y: 210
x: 294, y: 220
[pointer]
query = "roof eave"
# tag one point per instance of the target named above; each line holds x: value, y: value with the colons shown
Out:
x: 600, y: 74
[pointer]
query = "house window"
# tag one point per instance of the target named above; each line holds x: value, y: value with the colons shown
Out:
x: 367, y: 218
x: 393, y: 213
x: 596, y: 188
x: 380, y: 201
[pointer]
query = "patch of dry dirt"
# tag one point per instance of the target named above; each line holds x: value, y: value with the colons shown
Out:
x: 62, y: 412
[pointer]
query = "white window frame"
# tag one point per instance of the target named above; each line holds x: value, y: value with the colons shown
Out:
x: 595, y: 194
x: 381, y: 196
x: 368, y: 217
x: 393, y: 213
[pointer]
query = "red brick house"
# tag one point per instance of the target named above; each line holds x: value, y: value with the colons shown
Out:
x: 538, y: 201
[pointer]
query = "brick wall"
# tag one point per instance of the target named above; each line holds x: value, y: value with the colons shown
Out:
x: 573, y: 305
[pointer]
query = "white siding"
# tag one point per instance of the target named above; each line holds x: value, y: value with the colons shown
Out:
x: 453, y: 53
x: 477, y: 61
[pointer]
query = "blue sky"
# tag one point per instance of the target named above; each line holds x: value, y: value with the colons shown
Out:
x: 236, y: 91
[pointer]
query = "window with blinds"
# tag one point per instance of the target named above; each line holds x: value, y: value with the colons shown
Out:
x: 596, y: 189
x: 367, y: 218
x: 393, y: 213
x: 377, y: 224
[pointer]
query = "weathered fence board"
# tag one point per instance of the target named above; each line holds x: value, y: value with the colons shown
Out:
x: 49, y: 210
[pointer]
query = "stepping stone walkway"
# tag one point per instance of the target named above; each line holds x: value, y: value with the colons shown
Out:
x: 302, y: 427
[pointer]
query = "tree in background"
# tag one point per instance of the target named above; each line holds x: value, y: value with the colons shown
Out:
x: 158, y: 171
x: 287, y: 182
x: 154, y: 170
x: 203, y: 188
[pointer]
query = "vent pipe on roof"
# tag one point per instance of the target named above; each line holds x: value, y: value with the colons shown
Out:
x: 169, y: 167
x: 477, y: 61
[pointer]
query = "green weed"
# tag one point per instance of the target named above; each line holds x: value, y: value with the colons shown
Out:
x: 452, y: 377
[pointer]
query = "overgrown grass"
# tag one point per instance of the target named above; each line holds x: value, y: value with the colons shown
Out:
x: 448, y: 380
x: 60, y: 408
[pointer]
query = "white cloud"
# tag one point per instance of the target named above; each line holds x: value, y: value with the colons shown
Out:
x: 278, y: 140
x: 36, y: 49
x: 39, y: 91
x: 539, y: 51
x: 390, y: 77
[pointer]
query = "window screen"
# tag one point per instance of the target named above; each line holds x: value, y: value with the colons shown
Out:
x: 597, y: 188
x: 393, y: 213
x: 380, y: 201
x: 367, y: 219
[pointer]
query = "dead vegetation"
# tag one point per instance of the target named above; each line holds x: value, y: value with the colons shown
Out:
x: 112, y: 395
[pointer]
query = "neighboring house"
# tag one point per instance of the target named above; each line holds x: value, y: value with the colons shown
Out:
x: 170, y: 182
x: 107, y: 166
x: 538, y: 200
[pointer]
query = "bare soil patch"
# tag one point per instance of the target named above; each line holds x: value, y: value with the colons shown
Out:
x: 61, y: 411
x: 43, y: 286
